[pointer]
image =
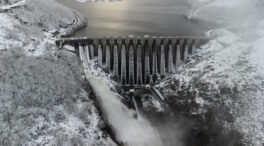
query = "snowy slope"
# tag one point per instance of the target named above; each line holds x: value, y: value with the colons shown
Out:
x: 43, y: 99
x: 35, y: 25
x: 43, y: 102
x: 227, y: 75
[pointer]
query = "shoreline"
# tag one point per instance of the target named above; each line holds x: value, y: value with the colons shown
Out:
x: 80, y: 21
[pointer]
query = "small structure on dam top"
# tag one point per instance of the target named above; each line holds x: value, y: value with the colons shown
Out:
x: 136, y: 62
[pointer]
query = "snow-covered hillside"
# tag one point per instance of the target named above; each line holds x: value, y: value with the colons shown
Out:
x: 43, y: 101
x: 35, y: 25
x: 43, y: 98
x: 227, y: 76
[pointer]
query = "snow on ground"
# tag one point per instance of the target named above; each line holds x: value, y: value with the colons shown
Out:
x: 8, y: 2
x: 43, y: 99
x: 7, y: 24
x: 43, y: 102
x: 13, y: 5
x: 228, y: 73
x: 25, y: 25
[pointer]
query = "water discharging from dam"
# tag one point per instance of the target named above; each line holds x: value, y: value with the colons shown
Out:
x: 128, y: 130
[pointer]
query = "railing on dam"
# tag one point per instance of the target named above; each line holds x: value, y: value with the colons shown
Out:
x: 136, y: 61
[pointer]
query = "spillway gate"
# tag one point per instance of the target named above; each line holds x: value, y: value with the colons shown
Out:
x: 135, y: 61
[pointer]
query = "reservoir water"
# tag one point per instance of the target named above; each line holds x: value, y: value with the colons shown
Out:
x: 138, y: 17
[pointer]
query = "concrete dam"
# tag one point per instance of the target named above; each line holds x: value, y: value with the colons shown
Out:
x: 137, y: 64
x: 136, y: 61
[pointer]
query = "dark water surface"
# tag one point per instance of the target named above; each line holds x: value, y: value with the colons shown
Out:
x: 138, y: 17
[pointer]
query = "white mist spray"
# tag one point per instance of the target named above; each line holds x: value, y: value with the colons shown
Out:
x: 128, y: 130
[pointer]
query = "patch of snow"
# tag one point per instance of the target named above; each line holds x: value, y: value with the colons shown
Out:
x: 27, y: 36
x: 233, y: 60
x: 7, y: 23
x: 199, y: 101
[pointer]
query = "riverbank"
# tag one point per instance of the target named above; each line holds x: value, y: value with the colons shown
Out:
x: 36, y: 25
x: 78, y: 23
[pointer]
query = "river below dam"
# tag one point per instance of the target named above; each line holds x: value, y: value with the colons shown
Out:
x: 138, y: 17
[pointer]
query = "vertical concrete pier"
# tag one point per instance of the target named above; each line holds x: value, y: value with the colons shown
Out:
x: 154, y: 60
x: 147, y: 63
x: 170, y: 59
x: 91, y: 48
x: 131, y: 65
x: 115, y: 65
x: 185, y: 57
x: 162, y: 60
x: 139, y: 65
x: 100, y: 55
x: 87, y: 53
x: 108, y: 57
x: 123, y: 65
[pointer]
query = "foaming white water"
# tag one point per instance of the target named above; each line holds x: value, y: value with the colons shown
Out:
x: 128, y: 130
